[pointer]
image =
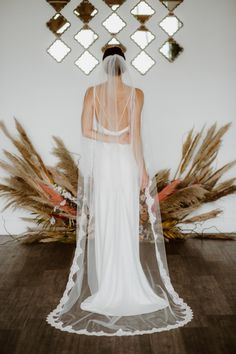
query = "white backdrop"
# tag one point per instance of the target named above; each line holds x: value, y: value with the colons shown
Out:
x: 46, y: 97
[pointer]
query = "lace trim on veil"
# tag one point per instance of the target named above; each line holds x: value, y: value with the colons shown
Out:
x: 53, y: 320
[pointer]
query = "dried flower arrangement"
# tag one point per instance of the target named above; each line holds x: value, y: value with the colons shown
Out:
x: 50, y: 193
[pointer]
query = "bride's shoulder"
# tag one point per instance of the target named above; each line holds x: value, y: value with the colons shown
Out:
x: 139, y: 93
x: 89, y: 89
x: 89, y: 92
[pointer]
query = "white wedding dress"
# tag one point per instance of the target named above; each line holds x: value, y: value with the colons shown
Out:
x: 123, y: 288
x: 119, y: 282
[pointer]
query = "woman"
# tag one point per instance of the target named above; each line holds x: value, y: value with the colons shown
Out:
x: 117, y: 284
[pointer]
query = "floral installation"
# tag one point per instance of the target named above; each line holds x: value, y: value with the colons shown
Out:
x: 53, y: 195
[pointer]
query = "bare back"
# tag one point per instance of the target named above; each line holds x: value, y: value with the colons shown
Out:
x: 123, y: 91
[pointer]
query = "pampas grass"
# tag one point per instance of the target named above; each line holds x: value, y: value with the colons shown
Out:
x: 50, y: 193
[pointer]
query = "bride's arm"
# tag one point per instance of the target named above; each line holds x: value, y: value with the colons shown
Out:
x: 137, y: 139
x: 87, y: 120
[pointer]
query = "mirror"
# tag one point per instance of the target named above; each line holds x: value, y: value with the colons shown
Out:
x: 143, y: 62
x: 85, y: 11
x: 58, y: 4
x: 86, y: 36
x: 58, y: 50
x: 86, y: 62
x: 170, y: 49
x: 171, y: 4
x: 58, y: 24
x: 114, y: 23
x: 114, y: 4
x: 142, y: 12
x: 142, y: 37
x: 171, y: 24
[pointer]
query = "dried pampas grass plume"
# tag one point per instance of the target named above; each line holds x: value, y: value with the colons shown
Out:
x: 52, y: 194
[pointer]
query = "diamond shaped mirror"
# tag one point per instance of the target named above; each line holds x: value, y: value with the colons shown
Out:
x: 143, y: 62
x: 58, y: 4
x: 171, y: 24
x: 170, y: 49
x: 58, y: 50
x: 142, y: 12
x: 114, y: 23
x: 142, y: 37
x: 58, y: 24
x: 114, y: 4
x: 86, y: 36
x: 171, y: 4
x: 85, y: 11
x: 86, y: 62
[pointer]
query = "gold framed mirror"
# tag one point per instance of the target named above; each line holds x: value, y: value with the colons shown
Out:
x: 85, y: 11
x: 114, y: 4
x: 142, y: 12
x: 58, y: 5
x: 171, y: 4
x: 170, y: 49
x: 58, y: 24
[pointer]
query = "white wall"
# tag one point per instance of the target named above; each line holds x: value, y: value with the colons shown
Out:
x: 46, y: 96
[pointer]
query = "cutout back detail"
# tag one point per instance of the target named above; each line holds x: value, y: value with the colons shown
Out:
x: 95, y: 95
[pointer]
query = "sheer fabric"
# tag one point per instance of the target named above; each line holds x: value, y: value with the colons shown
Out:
x: 119, y: 282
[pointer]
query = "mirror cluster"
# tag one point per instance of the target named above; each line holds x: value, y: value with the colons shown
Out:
x: 114, y: 24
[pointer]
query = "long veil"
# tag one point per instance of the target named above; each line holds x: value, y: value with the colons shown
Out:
x: 112, y: 128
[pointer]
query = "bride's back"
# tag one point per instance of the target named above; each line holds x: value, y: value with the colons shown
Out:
x: 117, y: 106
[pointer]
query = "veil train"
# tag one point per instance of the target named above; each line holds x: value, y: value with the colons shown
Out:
x: 119, y: 281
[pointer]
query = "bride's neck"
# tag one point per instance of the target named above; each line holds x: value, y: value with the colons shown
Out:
x: 118, y: 81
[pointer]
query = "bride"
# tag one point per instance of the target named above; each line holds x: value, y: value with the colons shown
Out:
x: 119, y: 281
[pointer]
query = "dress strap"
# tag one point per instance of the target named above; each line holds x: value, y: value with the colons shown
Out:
x: 126, y: 105
x: 94, y: 100
x: 96, y: 96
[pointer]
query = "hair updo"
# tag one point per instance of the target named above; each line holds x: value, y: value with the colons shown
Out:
x: 111, y: 51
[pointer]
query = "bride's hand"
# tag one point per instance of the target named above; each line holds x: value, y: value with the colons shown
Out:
x: 124, y: 138
x: 145, y: 179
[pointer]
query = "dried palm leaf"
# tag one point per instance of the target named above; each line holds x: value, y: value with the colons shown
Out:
x: 173, y: 233
x: 168, y: 190
x: 20, y: 169
x: 205, y: 173
x: 218, y: 174
x: 205, y: 156
x: 209, y: 147
x: 168, y: 224
x: 162, y: 178
x: 60, y: 234
x: 185, y: 197
x: 66, y: 164
x: 6, y: 189
x: 27, y: 150
x: 179, y: 214
x: 190, y: 152
x: 212, y: 196
x: 221, y: 186
x: 208, y: 138
x: 185, y: 148
x: 202, y: 217
x: 159, y: 181
x: 62, y: 180
x: 187, y: 144
x: 20, y: 185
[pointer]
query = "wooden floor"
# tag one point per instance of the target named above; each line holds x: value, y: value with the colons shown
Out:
x: 33, y: 278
